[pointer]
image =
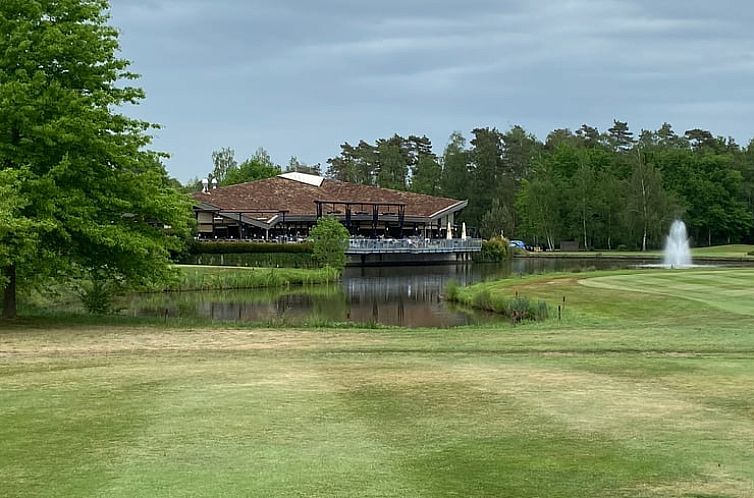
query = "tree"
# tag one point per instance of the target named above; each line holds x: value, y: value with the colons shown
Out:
x: 520, y: 149
x: 426, y: 176
x: 84, y: 189
x: 589, y: 135
x: 488, y: 175
x: 257, y: 167
x: 649, y: 205
x: 538, y: 202
x: 223, y: 160
x: 354, y: 164
x: 497, y: 221
x: 620, y: 137
x: 17, y: 235
x: 455, y: 171
x: 330, y: 241
x: 583, y: 197
x: 393, y: 168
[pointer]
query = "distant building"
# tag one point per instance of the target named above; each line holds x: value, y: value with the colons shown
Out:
x: 288, y: 205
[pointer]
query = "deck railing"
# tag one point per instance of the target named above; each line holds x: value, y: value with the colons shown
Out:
x: 412, y: 246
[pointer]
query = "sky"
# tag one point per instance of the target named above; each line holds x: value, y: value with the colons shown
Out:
x: 301, y: 77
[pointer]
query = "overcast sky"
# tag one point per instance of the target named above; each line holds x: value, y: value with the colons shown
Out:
x: 300, y: 77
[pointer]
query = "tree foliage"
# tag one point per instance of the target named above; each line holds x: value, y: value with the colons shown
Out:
x: 223, y: 160
x: 604, y: 190
x: 329, y: 242
x: 257, y: 167
x: 82, y: 185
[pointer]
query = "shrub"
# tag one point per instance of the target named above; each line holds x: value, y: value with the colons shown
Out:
x: 98, y: 295
x: 329, y: 240
x: 494, y: 250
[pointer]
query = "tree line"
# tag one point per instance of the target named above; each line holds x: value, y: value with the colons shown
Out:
x: 606, y: 190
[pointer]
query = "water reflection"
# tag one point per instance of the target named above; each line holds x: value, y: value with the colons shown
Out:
x: 404, y: 296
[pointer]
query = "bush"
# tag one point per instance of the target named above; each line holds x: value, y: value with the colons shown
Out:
x: 494, y: 250
x: 98, y: 295
x: 329, y: 240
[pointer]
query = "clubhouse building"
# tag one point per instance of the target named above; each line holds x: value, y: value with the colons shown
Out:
x: 288, y: 205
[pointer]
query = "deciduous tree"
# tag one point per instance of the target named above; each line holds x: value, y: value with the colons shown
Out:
x: 329, y: 242
x: 84, y: 187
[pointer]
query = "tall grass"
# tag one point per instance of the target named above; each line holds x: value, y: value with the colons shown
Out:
x: 203, y: 278
x: 516, y: 307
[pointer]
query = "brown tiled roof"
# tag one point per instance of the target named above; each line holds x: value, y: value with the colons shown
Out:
x: 298, y: 198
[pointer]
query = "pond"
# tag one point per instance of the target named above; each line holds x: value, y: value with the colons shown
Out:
x: 407, y: 296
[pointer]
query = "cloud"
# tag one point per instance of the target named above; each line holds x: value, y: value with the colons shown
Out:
x: 301, y: 77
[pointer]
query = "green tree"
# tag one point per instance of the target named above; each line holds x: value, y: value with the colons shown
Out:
x: 498, y: 221
x: 329, y: 242
x: 393, y: 169
x: 426, y: 176
x: 649, y: 205
x: 583, y: 199
x: 538, y: 203
x: 18, y: 234
x: 455, y: 168
x: 85, y: 189
x: 257, y: 167
x: 619, y: 136
x: 520, y: 151
x: 611, y: 200
x: 223, y: 161
x: 489, y: 178
x: 354, y: 164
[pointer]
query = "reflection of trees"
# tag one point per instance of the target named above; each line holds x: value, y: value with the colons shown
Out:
x: 326, y: 301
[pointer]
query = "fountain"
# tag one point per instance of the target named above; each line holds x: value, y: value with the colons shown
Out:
x: 677, y: 253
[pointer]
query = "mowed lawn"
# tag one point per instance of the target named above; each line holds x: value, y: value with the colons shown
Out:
x: 644, y: 388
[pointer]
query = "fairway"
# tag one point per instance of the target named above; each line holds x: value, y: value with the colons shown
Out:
x: 645, y: 388
x: 730, y: 290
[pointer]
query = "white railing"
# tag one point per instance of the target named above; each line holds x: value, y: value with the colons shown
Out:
x: 412, y: 246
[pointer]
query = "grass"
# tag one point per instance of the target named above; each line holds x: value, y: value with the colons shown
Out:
x: 733, y: 252
x: 645, y: 388
x: 222, y: 277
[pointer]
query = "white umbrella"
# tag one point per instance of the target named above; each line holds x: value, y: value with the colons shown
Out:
x: 449, y: 235
x: 463, y: 231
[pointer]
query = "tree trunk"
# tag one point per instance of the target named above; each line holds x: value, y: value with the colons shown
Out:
x: 9, y: 297
x: 586, y: 240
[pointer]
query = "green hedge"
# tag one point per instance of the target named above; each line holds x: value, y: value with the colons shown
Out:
x: 198, y: 247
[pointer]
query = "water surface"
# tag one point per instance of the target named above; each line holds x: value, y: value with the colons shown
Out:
x: 408, y: 296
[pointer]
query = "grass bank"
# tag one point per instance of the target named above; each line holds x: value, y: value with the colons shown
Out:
x: 732, y: 252
x: 223, y: 277
x: 645, y: 388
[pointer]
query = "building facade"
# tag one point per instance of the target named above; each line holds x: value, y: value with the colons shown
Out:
x: 288, y: 205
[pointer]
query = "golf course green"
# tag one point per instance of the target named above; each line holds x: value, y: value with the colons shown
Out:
x: 643, y: 388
